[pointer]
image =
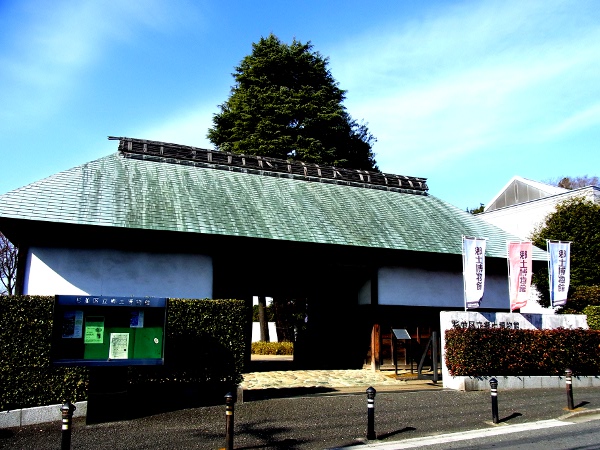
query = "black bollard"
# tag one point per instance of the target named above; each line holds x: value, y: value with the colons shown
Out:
x: 229, y: 421
x: 371, y: 413
x: 66, y: 411
x: 569, y: 384
x: 494, y: 394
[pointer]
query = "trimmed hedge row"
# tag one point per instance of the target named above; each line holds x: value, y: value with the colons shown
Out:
x: 26, y: 376
x: 204, y: 343
x: 272, y: 348
x: 503, y: 351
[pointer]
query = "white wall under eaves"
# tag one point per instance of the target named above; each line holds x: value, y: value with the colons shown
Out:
x: 522, y: 219
x: 67, y: 271
x: 406, y: 286
x: 418, y: 287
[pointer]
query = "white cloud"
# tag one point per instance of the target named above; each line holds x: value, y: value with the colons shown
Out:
x: 51, y: 45
x: 479, y: 76
x: 589, y: 117
x: 187, y: 127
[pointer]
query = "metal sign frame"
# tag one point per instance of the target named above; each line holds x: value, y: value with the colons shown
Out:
x: 95, y: 330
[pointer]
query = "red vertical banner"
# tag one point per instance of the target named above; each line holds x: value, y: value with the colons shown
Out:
x: 519, y: 273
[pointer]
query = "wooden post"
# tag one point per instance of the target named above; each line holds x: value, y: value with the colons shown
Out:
x: 375, y: 347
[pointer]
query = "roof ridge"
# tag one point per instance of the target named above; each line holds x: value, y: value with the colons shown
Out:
x: 176, y: 153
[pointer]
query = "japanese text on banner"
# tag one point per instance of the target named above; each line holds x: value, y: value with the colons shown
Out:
x: 559, y: 271
x: 519, y: 273
x: 473, y: 271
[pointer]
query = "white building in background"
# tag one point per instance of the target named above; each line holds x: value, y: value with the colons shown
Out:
x: 522, y: 205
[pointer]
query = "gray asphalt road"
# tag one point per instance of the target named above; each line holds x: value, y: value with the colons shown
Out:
x: 312, y: 422
x: 543, y: 435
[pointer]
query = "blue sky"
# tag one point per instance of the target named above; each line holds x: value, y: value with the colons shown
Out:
x: 465, y: 93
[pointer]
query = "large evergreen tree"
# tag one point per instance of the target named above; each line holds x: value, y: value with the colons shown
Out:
x: 578, y: 221
x: 286, y: 104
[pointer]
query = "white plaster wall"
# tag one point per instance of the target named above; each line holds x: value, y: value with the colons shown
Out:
x: 51, y: 271
x: 418, y: 287
x: 364, y: 294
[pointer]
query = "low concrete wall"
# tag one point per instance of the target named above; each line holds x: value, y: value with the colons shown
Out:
x: 483, y: 383
x: 40, y: 414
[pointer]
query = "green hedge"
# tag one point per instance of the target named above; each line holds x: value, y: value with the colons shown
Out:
x: 204, y: 343
x: 26, y: 376
x: 505, y: 352
x: 272, y: 348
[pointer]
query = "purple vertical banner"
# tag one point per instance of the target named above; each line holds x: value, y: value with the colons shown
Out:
x: 559, y: 271
x: 473, y: 271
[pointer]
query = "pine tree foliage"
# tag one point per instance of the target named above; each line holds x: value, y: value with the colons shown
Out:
x: 286, y: 104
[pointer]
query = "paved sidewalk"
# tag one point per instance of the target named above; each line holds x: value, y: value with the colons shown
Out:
x: 334, y: 379
x: 329, y: 380
x: 266, y: 385
x: 311, y: 422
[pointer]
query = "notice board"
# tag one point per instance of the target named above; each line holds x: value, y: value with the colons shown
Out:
x: 108, y: 331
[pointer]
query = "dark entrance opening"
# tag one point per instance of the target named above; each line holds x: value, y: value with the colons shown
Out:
x: 334, y: 333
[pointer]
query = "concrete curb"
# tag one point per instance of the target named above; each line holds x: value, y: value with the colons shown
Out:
x: 38, y: 414
x: 461, y: 383
x: 579, y: 412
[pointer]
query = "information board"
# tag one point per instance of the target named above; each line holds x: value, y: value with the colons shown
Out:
x: 108, y: 331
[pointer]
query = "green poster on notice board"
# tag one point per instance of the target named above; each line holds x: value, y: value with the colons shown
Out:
x: 94, y: 330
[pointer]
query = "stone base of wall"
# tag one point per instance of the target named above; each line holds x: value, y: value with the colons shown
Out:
x: 483, y: 383
x: 39, y: 414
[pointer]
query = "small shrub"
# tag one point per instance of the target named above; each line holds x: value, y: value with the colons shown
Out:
x: 579, y: 298
x: 272, y: 348
x: 593, y: 316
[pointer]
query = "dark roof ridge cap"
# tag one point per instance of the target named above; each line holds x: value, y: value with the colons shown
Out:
x: 134, y: 146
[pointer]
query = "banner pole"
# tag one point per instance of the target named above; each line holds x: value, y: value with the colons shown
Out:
x: 549, y: 275
x: 463, y: 274
x: 508, y: 272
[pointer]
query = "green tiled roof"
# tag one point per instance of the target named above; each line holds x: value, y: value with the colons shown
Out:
x: 131, y: 193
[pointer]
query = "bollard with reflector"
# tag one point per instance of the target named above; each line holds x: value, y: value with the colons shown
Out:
x: 229, y: 404
x: 66, y: 411
x: 371, y: 413
x: 494, y: 394
x: 569, y: 384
